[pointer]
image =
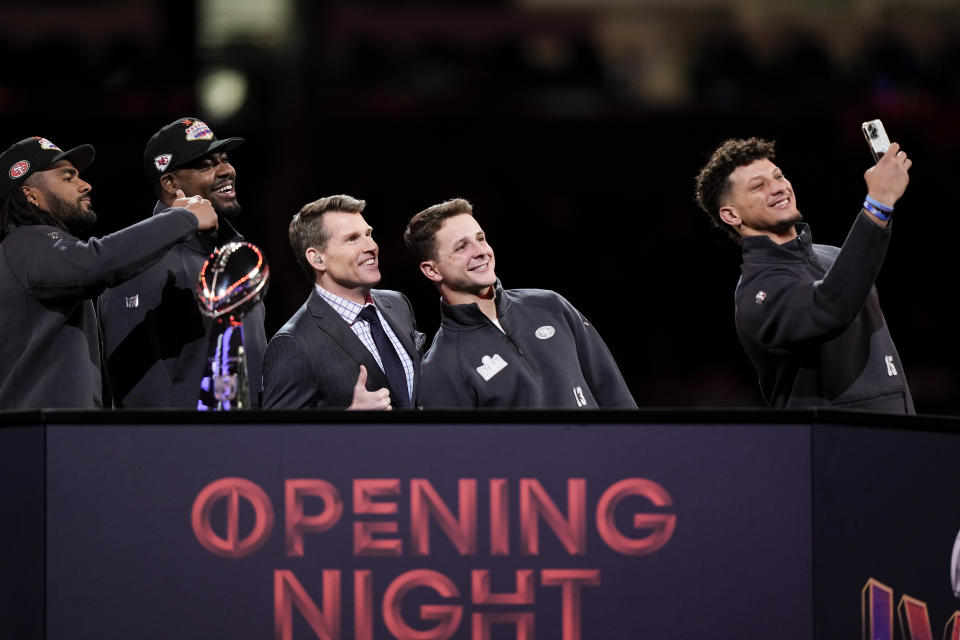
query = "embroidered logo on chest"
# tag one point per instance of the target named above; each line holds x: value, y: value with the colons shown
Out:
x: 545, y: 332
x: 491, y: 366
x: 760, y: 297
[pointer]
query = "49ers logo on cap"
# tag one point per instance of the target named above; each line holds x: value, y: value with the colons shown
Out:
x: 19, y: 169
x: 162, y: 161
x: 198, y: 131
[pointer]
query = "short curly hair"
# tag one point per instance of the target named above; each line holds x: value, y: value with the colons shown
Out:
x: 713, y: 181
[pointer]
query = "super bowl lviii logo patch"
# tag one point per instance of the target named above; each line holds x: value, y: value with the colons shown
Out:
x: 46, y: 144
x: 199, y: 131
x: 19, y: 169
x: 162, y: 161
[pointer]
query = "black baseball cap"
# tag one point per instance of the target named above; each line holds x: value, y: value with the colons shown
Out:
x: 180, y: 142
x: 30, y: 155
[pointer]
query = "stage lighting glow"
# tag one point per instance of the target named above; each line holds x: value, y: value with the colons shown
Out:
x: 222, y: 92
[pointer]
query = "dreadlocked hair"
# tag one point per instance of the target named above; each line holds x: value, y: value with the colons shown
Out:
x: 16, y: 211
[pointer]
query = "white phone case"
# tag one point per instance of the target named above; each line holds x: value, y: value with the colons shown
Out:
x: 876, y: 137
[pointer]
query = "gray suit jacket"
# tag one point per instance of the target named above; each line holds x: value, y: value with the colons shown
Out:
x: 314, y: 359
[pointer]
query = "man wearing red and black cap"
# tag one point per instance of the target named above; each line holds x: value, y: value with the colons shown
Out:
x: 156, y: 341
x: 50, y: 354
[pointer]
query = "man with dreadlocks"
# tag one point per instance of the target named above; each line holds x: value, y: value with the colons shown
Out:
x: 807, y: 314
x: 50, y: 353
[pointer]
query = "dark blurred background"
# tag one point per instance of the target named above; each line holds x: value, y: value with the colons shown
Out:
x: 575, y: 127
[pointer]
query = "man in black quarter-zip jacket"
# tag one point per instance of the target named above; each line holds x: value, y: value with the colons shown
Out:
x: 807, y: 314
x: 497, y: 348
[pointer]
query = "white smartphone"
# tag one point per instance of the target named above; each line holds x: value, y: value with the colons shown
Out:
x: 876, y: 137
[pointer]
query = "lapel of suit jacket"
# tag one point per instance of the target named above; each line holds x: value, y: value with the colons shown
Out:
x: 330, y: 322
x: 400, y: 327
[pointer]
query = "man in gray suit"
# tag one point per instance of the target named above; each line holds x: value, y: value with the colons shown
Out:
x: 349, y: 346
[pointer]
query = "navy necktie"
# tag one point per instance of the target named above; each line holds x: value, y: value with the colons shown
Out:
x: 392, y: 366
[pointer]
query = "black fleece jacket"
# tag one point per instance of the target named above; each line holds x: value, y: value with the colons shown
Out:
x: 809, y: 318
x: 547, y: 356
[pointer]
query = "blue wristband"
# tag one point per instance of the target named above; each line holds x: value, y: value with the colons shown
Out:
x: 873, y: 210
x: 881, y: 207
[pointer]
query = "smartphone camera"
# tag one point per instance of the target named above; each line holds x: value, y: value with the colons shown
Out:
x: 877, y: 139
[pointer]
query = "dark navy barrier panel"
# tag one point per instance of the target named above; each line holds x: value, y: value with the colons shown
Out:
x: 640, y: 525
x: 22, y: 568
x: 887, y: 507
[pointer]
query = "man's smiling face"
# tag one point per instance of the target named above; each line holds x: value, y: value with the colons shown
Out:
x: 464, y: 261
x: 349, y: 262
x: 760, y: 201
x: 214, y: 178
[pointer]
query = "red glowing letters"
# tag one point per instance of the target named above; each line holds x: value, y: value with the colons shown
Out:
x: 315, y: 506
x: 378, y: 498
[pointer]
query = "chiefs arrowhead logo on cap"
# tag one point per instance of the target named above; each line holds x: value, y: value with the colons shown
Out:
x: 19, y: 169
x: 162, y: 161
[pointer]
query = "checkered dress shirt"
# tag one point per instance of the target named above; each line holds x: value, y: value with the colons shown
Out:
x: 349, y: 310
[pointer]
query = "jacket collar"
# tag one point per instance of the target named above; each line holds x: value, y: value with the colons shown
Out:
x: 470, y: 315
x: 762, y: 248
x: 327, y: 318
